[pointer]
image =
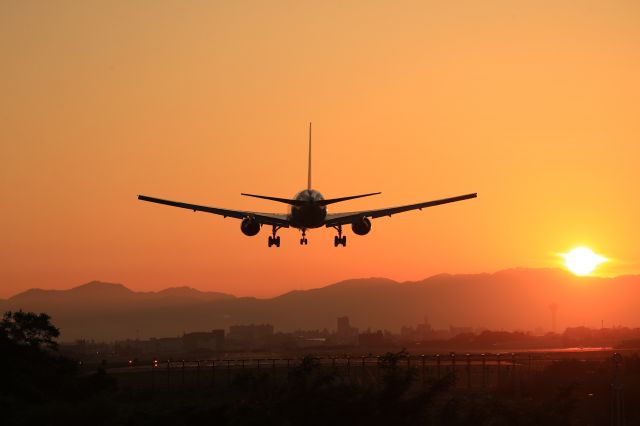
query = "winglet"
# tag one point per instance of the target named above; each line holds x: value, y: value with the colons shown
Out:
x: 309, y: 169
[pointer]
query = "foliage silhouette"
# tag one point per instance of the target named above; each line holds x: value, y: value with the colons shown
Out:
x: 34, y: 375
x: 28, y: 328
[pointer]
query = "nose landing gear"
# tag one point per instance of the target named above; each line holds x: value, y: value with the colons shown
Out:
x: 273, y: 239
x: 339, y: 239
x: 303, y: 240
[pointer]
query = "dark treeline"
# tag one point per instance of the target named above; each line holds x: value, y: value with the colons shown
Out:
x: 39, y: 386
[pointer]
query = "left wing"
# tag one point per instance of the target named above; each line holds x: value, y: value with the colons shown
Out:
x: 347, y: 218
x: 264, y: 218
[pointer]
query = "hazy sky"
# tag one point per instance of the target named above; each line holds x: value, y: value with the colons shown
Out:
x: 532, y: 104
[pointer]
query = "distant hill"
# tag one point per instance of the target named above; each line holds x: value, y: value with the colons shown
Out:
x: 105, y: 311
x: 510, y: 299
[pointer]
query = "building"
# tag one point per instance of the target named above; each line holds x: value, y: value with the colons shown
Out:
x: 251, y: 336
x: 165, y: 345
x: 371, y: 339
x: 421, y: 333
x: 208, y: 340
x: 454, y: 331
x: 345, y: 334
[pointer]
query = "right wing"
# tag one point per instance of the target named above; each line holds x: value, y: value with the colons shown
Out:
x: 346, y: 218
x: 263, y: 218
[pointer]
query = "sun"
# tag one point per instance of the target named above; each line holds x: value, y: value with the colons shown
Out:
x: 582, y: 260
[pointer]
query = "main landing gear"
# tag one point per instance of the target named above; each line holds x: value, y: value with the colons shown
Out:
x: 339, y: 239
x: 273, y: 239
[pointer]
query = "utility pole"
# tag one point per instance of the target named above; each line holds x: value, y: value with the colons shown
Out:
x: 554, y: 313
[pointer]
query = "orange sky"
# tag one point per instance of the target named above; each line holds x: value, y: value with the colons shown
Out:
x: 532, y: 104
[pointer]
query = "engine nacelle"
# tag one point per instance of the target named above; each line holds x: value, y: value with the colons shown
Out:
x: 361, y: 227
x: 249, y: 227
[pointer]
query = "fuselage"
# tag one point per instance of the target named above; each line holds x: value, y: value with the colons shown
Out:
x: 309, y: 214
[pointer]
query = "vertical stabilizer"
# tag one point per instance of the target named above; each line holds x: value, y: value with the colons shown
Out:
x: 309, y: 171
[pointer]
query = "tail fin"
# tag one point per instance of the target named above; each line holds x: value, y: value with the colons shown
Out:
x: 309, y: 170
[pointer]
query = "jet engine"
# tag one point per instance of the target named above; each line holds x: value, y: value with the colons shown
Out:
x: 361, y: 227
x: 249, y: 226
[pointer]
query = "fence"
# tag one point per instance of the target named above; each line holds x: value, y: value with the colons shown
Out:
x: 471, y: 371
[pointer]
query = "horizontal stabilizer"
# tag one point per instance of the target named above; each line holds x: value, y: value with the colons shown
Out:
x: 279, y: 200
x: 338, y: 200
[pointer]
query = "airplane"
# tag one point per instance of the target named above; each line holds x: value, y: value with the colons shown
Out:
x: 308, y: 211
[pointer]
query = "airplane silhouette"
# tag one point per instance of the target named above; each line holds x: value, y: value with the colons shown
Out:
x: 308, y: 210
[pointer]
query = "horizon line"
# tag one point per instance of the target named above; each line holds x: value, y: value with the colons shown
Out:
x: 560, y: 269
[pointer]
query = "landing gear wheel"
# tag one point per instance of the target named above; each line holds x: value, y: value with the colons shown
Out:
x: 344, y: 241
x: 303, y: 241
x: 336, y: 241
x: 273, y: 239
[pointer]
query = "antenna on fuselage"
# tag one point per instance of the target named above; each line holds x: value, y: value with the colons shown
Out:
x: 309, y: 176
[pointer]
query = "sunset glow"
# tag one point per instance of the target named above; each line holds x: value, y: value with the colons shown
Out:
x: 582, y: 260
x: 533, y: 105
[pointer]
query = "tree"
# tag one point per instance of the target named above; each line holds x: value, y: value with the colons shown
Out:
x: 30, y: 329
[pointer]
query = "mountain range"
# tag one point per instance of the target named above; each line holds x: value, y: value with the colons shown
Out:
x: 513, y: 299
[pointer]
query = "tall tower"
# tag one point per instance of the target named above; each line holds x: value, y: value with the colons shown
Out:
x: 343, y: 325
